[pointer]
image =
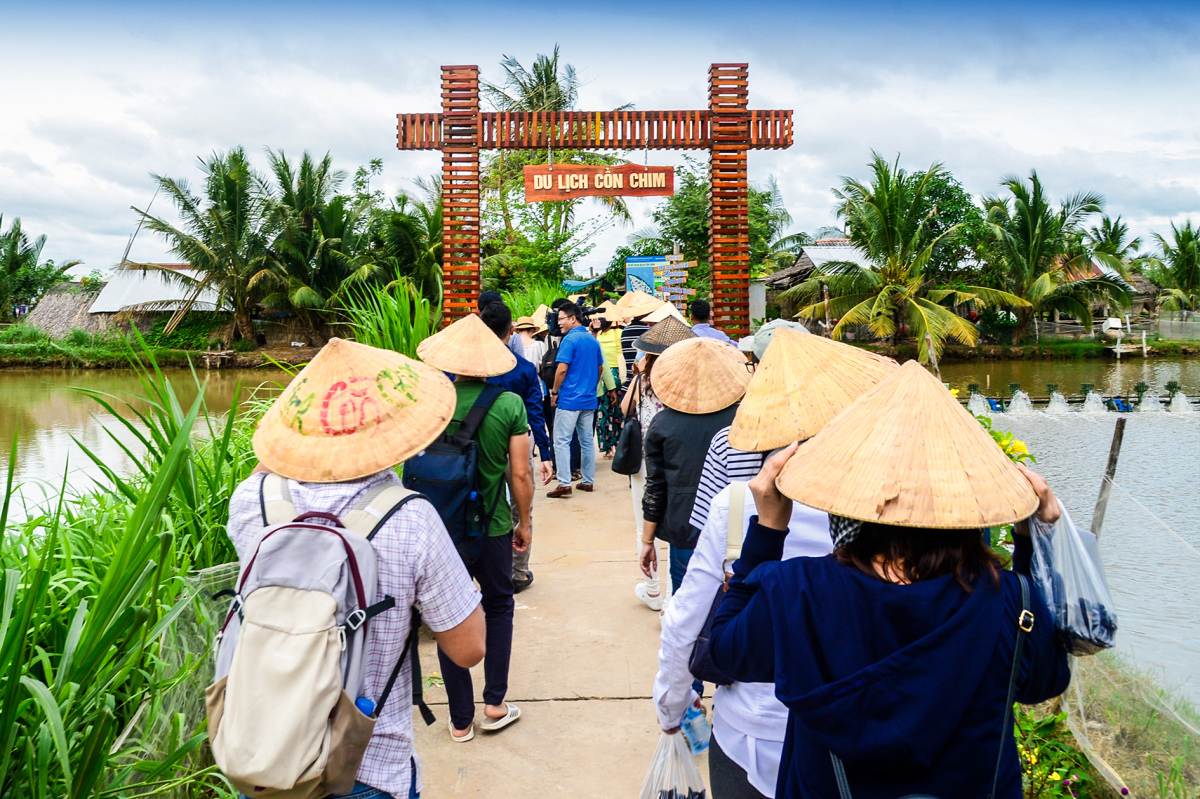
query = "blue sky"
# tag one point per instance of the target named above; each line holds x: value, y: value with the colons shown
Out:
x: 1098, y: 96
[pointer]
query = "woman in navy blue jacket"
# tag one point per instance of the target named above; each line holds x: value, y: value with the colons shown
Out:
x: 895, y: 652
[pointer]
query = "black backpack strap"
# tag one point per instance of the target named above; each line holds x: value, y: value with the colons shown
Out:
x: 410, y: 648
x: 483, y: 403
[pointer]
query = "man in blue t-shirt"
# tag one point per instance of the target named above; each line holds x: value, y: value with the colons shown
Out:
x: 574, y: 396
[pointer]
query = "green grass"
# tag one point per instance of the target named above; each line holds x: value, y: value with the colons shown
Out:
x: 525, y: 300
x: 91, y: 593
x: 397, y: 319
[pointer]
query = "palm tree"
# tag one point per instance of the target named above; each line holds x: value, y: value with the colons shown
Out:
x: 1044, y: 254
x: 223, y: 235
x: 320, y: 250
x: 543, y: 87
x: 891, y: 286
x: 23, y: 274
x: 1111, y: 237
x: 407, y: 239
x: 1178, y: 270
x: 778, y: 249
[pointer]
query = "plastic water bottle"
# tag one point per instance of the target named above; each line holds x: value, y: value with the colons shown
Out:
x: 696, y: 730
x: 365, y: 705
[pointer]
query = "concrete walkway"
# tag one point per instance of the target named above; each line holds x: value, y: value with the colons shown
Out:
x: 584, y: 656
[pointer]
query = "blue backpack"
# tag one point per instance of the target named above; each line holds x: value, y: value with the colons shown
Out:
x: 447, y: 473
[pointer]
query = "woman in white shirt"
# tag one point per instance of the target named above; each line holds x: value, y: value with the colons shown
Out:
x: 749, y: 723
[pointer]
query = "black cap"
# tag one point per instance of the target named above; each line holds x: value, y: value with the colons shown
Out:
x: 486, y: 298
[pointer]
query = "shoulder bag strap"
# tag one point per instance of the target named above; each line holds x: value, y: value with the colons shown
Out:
x: 372, y: 510
x: 1024, y: 626
x: 275, y: 500
x: 737, y: 507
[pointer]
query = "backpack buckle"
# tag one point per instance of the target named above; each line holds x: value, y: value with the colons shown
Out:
x: 1025, y: 621
x: 356, y: 619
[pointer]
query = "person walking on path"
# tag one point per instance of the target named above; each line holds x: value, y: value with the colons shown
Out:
x: 471, y: 352
x: 332, y: 463
x: 636, y: 305
x: 701, y: 315
x: 608, y: 416
x: 805, y: 381
x: 533, y: 347
x: 799, y: 386
x: 548, y: 369
x: 580, y: 364
x: 898, y: 656
x: 486, y: 298
x: 700, y: 382
x: 523, y: 381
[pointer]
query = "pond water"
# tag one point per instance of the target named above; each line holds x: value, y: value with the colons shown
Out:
x: 47, y: 416
x: 1109, y: 376
x: 1151, y: 535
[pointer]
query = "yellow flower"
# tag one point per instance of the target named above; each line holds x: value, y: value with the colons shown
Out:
x: 1056, y: 776
x: 954, y: 393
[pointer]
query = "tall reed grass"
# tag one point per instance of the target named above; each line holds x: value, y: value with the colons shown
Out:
x: 90, y: 591
x: 524, y: 301
x: 397, y: 318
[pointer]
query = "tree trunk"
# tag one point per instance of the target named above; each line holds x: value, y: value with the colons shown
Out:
x: 245, y: 327
x: 1024, y: 317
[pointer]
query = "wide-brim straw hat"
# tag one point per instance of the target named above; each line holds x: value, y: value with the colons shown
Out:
x: 664, y: 334
x: 468, y: 348
x: 802, y: 382
x: 665, y: 311
x: 908, y: 454
x: 525, y: 323
x: 700, y: 375
x: 639, y: 303
x: 353, y: 411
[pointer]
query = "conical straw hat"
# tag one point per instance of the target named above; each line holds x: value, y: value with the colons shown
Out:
x: 664, y: 334
x: 525, y: 323
x: 468, y: 348
x: 664, y: 311
x: 353, y: 411
x: 539, y: 318
x: 613, y: 312
x: 802, y: 383
x: 639, y: 303
x: 700, y: 375
x: 907, y: 453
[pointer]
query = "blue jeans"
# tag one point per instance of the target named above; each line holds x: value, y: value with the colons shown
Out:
x: 567, y: 424
x: 679, y: 564
x: 364, y: 791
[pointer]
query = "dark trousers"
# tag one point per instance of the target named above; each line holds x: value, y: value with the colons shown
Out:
x: 727, y: 779
x: 493, y: 570
x: 576, y: 452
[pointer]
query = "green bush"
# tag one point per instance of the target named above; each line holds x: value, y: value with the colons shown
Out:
x: 192, y: 333
x: 396, y: 320
x: 243, y: 345
x: 21, y: 333
x: 79, y: 338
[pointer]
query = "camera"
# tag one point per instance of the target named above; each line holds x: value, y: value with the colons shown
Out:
x: 585, y: 312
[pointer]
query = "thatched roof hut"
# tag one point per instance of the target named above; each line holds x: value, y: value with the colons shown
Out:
x: 65, y: 308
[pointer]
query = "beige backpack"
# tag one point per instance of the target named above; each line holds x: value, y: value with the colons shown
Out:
x: 291, y: 655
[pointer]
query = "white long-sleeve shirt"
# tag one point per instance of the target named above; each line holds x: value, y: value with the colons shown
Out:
x: 749, y: 721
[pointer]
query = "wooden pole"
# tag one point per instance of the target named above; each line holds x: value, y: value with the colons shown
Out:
x: 1106, y: 487
x: 828, y: 323
x: 933, y: 356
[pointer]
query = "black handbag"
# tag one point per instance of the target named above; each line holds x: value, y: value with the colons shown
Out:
x: 1024, y: 626
x: 627, y: 457
x: 700, y: 664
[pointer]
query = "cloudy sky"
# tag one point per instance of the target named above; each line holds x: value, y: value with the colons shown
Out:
x: 1099, y: 95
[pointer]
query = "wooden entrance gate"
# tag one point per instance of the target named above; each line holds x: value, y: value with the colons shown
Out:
x: 727, y: 129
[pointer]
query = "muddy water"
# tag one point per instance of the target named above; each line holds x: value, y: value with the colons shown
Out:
x: 46, y: 416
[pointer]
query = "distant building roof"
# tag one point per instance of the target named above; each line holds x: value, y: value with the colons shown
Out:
x: 136, y: 286
x: 812, y: 256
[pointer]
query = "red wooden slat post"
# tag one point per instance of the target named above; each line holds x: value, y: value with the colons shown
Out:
x: 460, y: 190
x: 729, y: 204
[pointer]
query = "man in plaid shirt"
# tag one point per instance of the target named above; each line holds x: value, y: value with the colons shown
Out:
x: 349, y: 429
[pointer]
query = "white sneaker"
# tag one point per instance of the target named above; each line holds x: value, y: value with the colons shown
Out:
x: 643, y: 593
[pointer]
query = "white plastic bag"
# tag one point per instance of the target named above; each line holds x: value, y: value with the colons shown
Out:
x: 1069, y: 576
x: 673, y: 773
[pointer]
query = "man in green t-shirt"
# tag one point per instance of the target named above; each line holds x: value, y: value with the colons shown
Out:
x: 470, y: 352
